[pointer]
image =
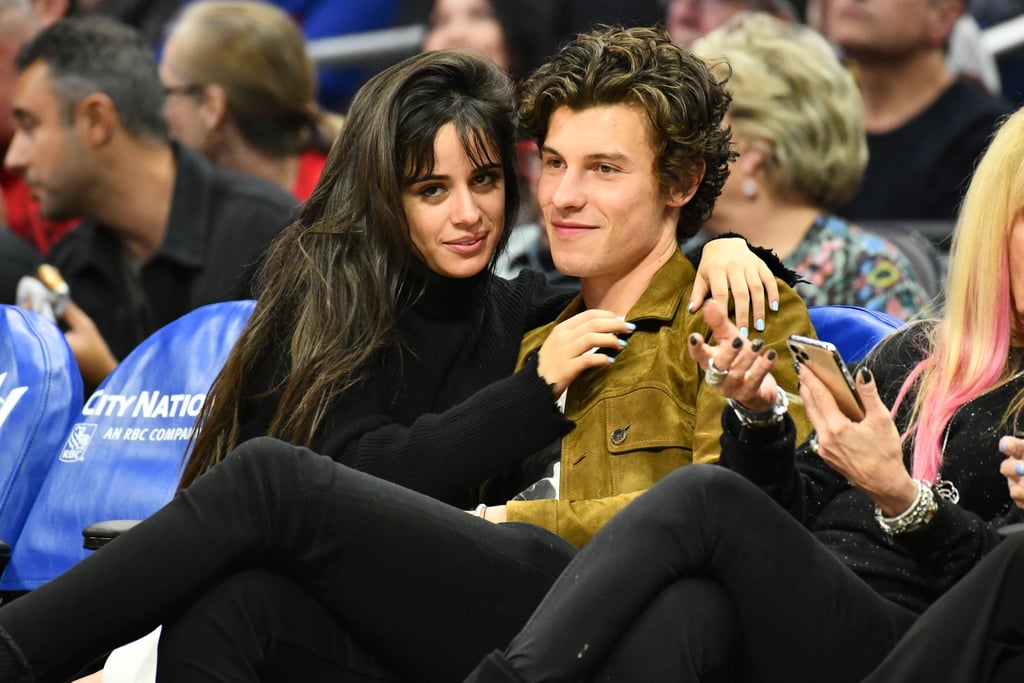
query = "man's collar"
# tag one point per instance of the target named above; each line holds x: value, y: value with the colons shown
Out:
x: 661, y: 299
x: 184, y: 240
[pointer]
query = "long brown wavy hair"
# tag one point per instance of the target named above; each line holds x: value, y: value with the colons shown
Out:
x: 329, y: 290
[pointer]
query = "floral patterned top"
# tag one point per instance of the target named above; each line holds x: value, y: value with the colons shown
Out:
x: 840, y: 263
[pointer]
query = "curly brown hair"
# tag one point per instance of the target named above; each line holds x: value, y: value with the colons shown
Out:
x: 684, y: 102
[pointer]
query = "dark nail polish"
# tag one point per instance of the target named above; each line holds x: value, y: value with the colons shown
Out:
x: 693, y: 340
x: 865, y: 375
x: 796, y: 367
x: 737, y: 342
x: 756, y: 346
x: 771, y: 354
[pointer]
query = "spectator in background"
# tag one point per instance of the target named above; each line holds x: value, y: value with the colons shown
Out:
x: 687, y: 20
x: 240, y: 88
x: 796, y: 118
x: 166, y: 231
x: 926, y: 127
x: 19, y: 211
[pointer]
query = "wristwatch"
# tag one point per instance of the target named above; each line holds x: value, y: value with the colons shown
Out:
x: 770, y: 418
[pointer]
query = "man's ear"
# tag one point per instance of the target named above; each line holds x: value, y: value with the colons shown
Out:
x: 684, y: 190
x: 96, y: 118
x: 942, y: 16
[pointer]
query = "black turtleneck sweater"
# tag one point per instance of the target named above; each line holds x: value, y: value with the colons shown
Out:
x: 450, y: 413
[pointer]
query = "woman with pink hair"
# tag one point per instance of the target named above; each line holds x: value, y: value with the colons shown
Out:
x: 810, y: 563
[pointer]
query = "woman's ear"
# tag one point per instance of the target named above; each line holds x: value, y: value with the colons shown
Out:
x: 213, y: 108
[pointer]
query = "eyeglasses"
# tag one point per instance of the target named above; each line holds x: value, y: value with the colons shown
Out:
x: 187, y: 90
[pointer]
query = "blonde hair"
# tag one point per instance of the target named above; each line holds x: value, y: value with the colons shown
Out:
x: 791, y: 95
x: 257, y: 54
x: 970, y: 352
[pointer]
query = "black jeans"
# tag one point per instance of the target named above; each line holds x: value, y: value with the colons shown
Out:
x: 801, y: 615
x: 425, y: 587
x: 972, y: 634
x: 257, y: 625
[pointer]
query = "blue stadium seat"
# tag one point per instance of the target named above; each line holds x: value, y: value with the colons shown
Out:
x: 852, y: 329
x: 40, y: 396
x: 123, y: 455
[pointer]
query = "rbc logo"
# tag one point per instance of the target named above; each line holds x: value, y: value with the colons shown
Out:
x: 78, y: 440
x: 8, y: 402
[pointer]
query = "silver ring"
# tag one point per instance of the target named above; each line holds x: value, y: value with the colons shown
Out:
x: 812, y: 442
x: 713, y: 376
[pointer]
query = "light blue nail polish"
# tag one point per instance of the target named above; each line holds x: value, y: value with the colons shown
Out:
x: 689, y: 309
x: 1019, y: 469
x: 611, y: 359
x: 1003, y: 445
x: 743, y: 332
x: 775, y: 305
x: 631, y: 326
x: 622, y: 343
x: 759, y: 324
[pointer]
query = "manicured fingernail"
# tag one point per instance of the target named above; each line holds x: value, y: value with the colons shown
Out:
x: 774, y: 305
x: 1019, y: 470
x: 693, y: 340
x: 756, y: 346
x: 689, y: 309
x: 611, y: 359
x: 631, y: 327
x: 771, y: 354
x: 738, y: 341
x: 796, y: 367
x: 1004, y: 444
x: 759, y: 324
x: 622, y: 343
x: 743, y: 332
x: 865, y: 375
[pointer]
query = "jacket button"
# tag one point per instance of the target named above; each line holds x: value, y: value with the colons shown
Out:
x: 619, y: 435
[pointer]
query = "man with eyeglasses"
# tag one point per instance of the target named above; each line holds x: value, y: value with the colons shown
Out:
x: 164, y: 232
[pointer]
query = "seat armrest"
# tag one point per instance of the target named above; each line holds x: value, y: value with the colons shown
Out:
x: 97, y: 535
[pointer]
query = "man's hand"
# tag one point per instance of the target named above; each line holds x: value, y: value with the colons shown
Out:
x: 748, y: 364
x: 95, y: 361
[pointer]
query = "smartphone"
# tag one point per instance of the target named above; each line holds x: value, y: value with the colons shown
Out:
x: 824, y: 360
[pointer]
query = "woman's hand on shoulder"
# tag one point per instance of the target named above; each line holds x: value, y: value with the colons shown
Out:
x: 869, y: 453
x: 727, y: 266
x: 573, y: 346
x: 747, y: 364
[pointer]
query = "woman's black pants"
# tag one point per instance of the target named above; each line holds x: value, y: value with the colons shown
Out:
x: 972, y: 634
x: 414, y: 583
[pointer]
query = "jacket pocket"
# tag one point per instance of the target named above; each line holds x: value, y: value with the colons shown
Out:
x: 648, y: 434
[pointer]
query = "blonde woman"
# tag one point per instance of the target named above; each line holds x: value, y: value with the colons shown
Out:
x: 241, y: 89
x: 796, y: 118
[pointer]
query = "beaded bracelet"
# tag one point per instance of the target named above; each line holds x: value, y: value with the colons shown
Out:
x: 914, y: 517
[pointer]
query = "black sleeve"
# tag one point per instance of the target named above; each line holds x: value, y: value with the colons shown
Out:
x: 796, y: 478
x: 445, y: 454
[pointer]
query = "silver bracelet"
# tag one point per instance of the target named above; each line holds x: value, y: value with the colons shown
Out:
x: 914, y: 517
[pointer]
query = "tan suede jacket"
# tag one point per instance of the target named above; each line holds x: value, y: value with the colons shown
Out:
x: 648, y: 413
